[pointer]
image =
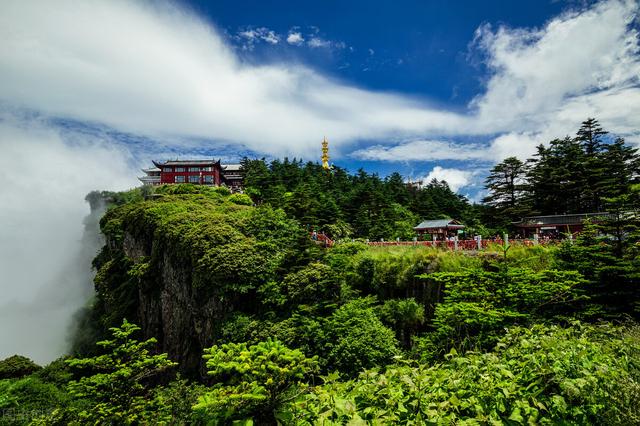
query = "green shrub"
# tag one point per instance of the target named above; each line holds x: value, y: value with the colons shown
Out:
x: 403, y: 315
x: 354, y: 338
x: 180, y: 188
x: 117, y: 382
x: 175, y: 403
x: 17, y: 366
x: 314, y: 283
x: 581, y: 375
x: 251, y: 381
x: 22, y: 400
x: 222, y: 190
x: 242, y: 199
x: 57, y: 372
x: 478, y: 305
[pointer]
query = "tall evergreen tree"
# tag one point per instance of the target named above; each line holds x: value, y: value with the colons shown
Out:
x: 590, y: 138
x: 556, y: 178
x: 543, y: 196
x: 621, y: 168
x: 507, y: 185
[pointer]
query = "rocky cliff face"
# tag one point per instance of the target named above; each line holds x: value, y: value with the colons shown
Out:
x: 179, y: 264
x: 169, y: 308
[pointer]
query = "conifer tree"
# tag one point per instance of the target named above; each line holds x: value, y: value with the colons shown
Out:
x: 556, y: 178
x: 540, y: 178
x: 622, y: 165
x: 590, y: 138
x: 507, y: 186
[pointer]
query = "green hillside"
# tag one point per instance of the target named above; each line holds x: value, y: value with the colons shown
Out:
x: 210, y: 310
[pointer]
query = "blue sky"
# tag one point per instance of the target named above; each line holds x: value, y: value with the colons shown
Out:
x: 426, y: 88
x: 421, y: 48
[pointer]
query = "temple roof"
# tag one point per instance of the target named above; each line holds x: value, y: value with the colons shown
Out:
x: 439, y: 223
x: 232, y: 167
x: 186, y: 163
x: 561, y: 219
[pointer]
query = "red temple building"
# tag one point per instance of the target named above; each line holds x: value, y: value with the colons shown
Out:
x: 439, y: 229
x: 198, y: 172
x: 555, y: 225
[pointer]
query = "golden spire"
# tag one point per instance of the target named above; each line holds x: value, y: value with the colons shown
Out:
x: 325, y: 154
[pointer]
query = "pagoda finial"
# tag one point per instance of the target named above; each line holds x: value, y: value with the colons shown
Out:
x: 325, y: 153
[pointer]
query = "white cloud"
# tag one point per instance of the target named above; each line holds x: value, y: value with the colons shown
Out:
x: 295, y: 38
x: 45, y: 268
x: 580, y: 64
x: 543, y: 83
x: 271, y: 38
x: 521, y: 145
x: 253, y: 35
x: 316, y: 42
x: 166, y: 73
x: 424, y: 150
x: 456, y: 178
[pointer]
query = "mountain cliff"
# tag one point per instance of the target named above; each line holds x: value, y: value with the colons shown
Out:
x: 181, y: 261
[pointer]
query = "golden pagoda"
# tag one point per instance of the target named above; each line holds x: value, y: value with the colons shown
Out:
x: 325, y: 154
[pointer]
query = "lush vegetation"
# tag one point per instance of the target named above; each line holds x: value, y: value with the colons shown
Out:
x: 218, y: 308
x: 361, y: 205
x: 579, y: 174
x: 582, y: 174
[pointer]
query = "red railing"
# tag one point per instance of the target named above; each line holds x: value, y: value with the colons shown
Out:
x: 462, y: 244
x: 322, y: 239
x: 447, y: 245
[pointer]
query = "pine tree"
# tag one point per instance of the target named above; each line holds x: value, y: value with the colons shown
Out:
x: 622, y: 165
x: 396, y: 189
x: 506, y: 185
x: 590, y: 138
x: 542, y: 187
x: 556, y: 178
x: 568, y: 175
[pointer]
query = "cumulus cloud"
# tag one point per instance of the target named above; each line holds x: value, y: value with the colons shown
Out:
x: 424, y: 150
x: 167, y: 72
x: 316, y: 42
x: 45, y: 269
x: 456, y: 178
x: 537, y: 73
x: 251, y: 36
x: 295, y: 38
x: 543, y: 82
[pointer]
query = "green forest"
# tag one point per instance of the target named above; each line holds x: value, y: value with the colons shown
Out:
x: 213, y: 308
x: 592, y: 171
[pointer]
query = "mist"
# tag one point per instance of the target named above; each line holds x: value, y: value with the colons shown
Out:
x: 48, y: 234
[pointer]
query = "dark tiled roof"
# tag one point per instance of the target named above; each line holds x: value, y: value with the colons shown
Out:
x: 187, y: 163
x: 439, y: 223
x: 564, y: 219
x: 231, y: 167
